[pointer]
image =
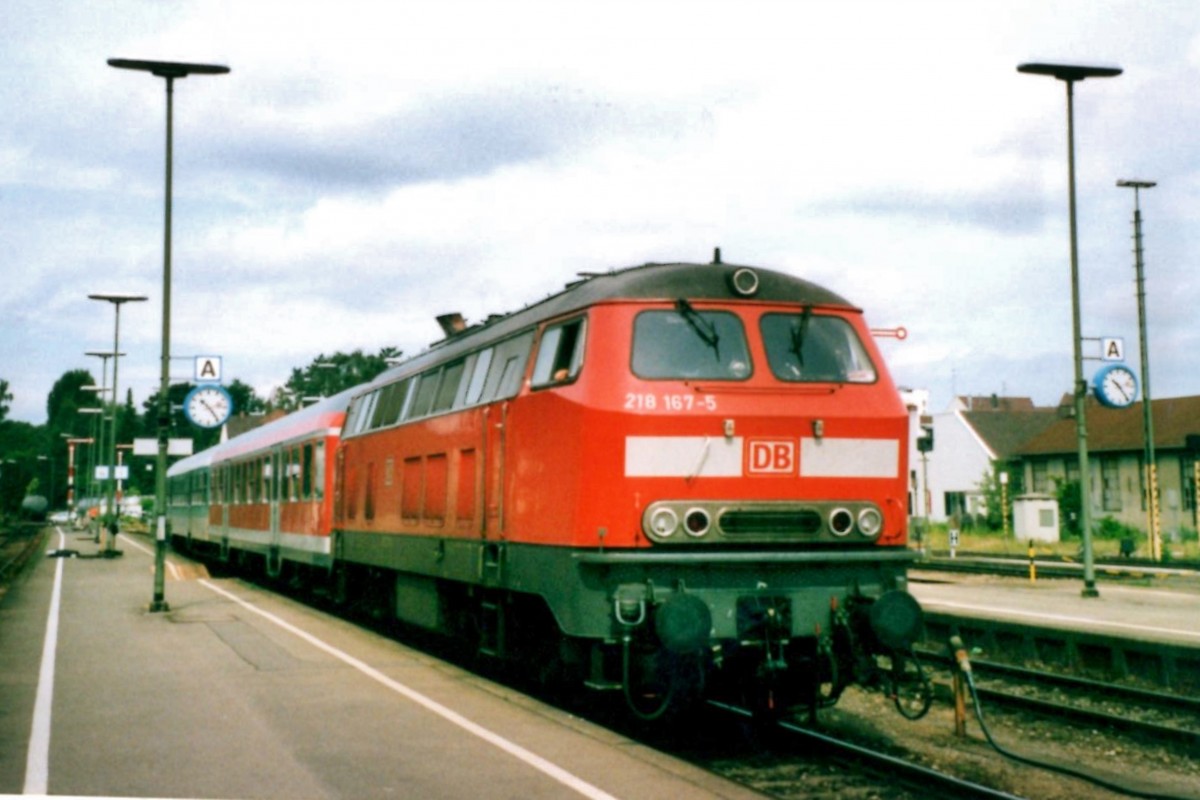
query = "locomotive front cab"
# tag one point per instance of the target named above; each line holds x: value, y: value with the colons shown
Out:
x: 762, y: 486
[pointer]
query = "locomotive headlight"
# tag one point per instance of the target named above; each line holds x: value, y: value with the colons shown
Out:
x: 664, y: 522
x: 841, y: 522
x: 870, y: 522
x: 697, y: 522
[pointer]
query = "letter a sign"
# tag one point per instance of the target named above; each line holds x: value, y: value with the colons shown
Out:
x: 208, y: 369
x: 1112, y: 349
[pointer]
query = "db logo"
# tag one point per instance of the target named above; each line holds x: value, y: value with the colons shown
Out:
x: 772, y: 457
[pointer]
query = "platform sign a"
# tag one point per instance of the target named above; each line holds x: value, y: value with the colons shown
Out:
x: 207, y: 369
x: 1112, y: 349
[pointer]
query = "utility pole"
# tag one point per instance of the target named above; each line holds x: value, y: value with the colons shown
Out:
x: 1153, y: 525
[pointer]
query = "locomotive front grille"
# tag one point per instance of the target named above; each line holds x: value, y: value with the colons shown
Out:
x: 692, y: 522
x: 762, y: 522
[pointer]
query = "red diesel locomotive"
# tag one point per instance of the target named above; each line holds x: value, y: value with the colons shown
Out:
x: 672, y: 481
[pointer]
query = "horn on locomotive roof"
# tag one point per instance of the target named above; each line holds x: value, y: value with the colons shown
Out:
x: 716, y: 255
x: 452, y: 323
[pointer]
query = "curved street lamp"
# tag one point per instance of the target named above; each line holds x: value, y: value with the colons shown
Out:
x: 170, y: 71
x: 1070, y: 74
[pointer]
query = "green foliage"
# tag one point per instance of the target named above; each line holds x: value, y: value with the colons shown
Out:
x: 5, y: 398
x: 1110, y: 528
x: 326, y: 376
x: 997, y: 500
x: 1069, y: 507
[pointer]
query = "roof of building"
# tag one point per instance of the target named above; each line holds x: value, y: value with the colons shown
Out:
x: 1005, y: 431
x: 993, y: 403
x: 1113, y: 429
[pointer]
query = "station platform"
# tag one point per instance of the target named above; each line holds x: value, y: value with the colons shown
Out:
x: 1150, y: 611
x: 239, y: 693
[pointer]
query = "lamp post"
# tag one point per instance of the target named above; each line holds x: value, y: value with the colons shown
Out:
x: 169, y: 71
x: 104, y: 356
x: 1147, y: 414
x: 1070, y: 74
x: 117, y: 300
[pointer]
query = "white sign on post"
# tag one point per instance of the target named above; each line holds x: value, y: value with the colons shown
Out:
x: 208, y: 369
x: 1112, y: 349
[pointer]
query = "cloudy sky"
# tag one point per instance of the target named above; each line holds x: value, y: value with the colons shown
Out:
x: 367, y: 165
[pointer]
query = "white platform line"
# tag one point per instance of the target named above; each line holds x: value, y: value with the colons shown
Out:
x: 37, y: 760
x: 532, y: 759
x: 1097, y: 623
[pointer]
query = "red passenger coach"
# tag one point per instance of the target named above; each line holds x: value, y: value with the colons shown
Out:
x: 267, y: 492
x: 671, y: 481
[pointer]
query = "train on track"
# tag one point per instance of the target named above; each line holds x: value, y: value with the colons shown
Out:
x: 671, y: 481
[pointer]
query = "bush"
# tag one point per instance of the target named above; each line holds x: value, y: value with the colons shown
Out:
x: 1111, y: 529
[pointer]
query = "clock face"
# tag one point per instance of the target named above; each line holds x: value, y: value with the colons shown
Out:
x: 208, y: 406
x: 1116, y: 386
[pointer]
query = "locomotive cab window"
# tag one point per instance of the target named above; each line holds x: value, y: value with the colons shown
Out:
x: 685, y: 343
x: 560, y: 354
x: 809, y: 347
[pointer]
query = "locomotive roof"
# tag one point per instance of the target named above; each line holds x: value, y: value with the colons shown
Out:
x: 668, y: 282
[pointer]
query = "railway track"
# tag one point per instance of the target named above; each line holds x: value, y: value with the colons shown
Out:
x: 18, y: 541
x: 860, y: 770
x: 1149, y: 715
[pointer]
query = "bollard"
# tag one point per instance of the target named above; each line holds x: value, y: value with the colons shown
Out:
x: 1032, y: 565
x: 960, y: 685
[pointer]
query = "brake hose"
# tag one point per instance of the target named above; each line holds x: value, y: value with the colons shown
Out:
x: 964, y: 666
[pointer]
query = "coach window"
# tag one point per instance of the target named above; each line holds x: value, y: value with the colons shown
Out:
x: 685, y: 343
x: 306, y: 489
x: 560, y: 354
x: 293, y: 471
x: 809, y: 347
x: 319, y: 470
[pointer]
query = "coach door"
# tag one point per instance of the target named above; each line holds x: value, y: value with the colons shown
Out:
x: 274, y: 481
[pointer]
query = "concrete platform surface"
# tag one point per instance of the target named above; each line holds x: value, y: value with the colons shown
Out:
x: 238, y: 693
x: 1167, y: 614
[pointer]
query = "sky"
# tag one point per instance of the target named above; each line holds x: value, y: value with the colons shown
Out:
x: 366, y: 166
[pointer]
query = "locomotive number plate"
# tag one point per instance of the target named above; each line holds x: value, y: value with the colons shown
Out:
x: 649, y: 401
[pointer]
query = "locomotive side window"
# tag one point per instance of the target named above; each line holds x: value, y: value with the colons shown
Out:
x: 478, y: 371
x: 560, y: 354
x: 808, y: 347
x: 685, y: 344
x: 448, y: 388
x: 425, y: 391
x: 507, y: 368
x: 391, y: 401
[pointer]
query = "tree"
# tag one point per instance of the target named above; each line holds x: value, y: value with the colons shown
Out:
x: 20, y: 446
x: 994, y: 495
x: 326, y: 376
x: 5, y: 398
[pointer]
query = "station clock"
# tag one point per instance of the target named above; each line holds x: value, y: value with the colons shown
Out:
x: 1116, y: 386
x: 208, y: 405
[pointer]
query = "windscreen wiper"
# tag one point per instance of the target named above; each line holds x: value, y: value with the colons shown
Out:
x: 799, y: 331
x: 703, y: 328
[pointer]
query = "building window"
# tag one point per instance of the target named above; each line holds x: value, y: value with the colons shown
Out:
x: 1110, y: 481
x: 1041, y: 477
x: 956, y: 505
x: 1187, y: 480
